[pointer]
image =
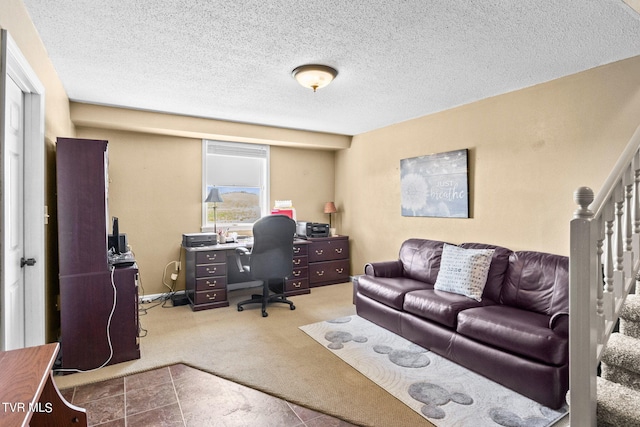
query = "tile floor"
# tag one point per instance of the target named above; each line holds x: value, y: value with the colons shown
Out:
x: 182, y: 396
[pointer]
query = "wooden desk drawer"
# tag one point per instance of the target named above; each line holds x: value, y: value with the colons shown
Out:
x: 299, y: 250
x: 300, y: 261
x: 300, y: 273
x: 205, y: 297
x: 329, y: 250
x: 211, y: 257
x: 211, y: 283
x: 211, y: 270
x: 330, y: 271
x: 296, y: 285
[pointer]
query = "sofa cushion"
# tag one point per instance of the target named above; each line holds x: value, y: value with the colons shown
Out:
x: 497, y: 270
x: 537, y: 282
x: 517, y: 331
x: 463, y: 271
x: 438, y: 306
x: 388, y: 291
x: 421, y: 259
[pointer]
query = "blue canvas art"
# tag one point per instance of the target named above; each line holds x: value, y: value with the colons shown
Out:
x: 436, y: 185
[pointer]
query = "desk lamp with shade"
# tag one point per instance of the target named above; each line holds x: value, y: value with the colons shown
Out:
x: 214, y: 197
x: 330, y: 208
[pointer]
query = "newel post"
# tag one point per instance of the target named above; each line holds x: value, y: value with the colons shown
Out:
x: 583, y: 196
x: 582, y: 312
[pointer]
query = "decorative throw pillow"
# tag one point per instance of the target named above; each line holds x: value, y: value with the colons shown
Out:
x: 464, y: 271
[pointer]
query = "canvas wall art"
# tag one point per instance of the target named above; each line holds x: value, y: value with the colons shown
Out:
x: 435, y: 185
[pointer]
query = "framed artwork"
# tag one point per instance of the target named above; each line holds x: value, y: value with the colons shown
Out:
x: 436, y: 185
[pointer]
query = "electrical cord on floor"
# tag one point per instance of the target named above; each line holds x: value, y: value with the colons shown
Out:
x: 164, y: 297
x: 113, y: 309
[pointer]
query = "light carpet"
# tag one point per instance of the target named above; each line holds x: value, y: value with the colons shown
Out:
x: 444, y: 393
x: 270, y: 354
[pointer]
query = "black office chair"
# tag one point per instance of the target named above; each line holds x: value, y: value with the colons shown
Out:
x: 270, y: 260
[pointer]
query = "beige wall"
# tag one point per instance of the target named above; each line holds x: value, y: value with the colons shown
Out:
x: 529, y: 150
x: 155, y: 191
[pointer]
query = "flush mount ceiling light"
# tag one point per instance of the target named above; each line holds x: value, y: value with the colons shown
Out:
x: 314, y: 76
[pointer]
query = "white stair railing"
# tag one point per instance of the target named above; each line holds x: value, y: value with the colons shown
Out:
x: 603, y: 264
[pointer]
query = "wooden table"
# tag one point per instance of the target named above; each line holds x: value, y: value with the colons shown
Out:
x: 28, y: 394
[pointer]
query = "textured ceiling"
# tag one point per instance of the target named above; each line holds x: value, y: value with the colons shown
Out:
x: 397, y: 60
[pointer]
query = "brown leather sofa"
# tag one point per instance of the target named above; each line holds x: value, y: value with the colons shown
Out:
x: 517, y: 335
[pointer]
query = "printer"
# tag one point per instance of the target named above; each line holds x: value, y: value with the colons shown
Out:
x: 196, y: 240
x: 305, y: 230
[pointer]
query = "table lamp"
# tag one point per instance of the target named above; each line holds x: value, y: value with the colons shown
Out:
x: 330, y: 208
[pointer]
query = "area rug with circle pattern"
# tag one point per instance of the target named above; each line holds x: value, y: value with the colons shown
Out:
x: 443, y: 392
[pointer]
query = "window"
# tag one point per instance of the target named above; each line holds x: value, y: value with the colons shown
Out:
x: 240, y: 172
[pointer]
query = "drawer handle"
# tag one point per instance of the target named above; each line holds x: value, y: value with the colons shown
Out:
x: 320, y: 273
x: 297, y: 273
x: 297, y: 284
x: 339, y: 270
x: 212, y: 284
x: 209, y: 270
x: 338, y: 250
x: 296, y: 250
x: 211, y: 298
x: 297, y: 261
x: 319, y: 251
x: 212, y: 257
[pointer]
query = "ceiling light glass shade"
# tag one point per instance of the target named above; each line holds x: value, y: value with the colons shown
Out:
x: 314, y: 76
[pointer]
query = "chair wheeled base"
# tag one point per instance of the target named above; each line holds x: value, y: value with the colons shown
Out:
x: 266, y: 299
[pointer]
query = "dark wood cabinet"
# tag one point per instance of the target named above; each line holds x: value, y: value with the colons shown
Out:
x: 329, y: 261
x: 207, y: 274
x: 206, y: 277
x: 98, y: 305
x: 298, y: 284
x: 81, y: 168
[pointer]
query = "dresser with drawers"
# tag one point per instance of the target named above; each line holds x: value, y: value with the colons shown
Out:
x: 207, y: 273
x: 298, y: 284
x: 206, y: 277
x: 329, y: 261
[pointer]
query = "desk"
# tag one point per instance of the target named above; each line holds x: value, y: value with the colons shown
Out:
x: 209, y: 269
x: 28, y: 394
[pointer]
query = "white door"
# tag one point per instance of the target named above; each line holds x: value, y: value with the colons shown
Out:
x: 22, y: 210
x: 13, y: 187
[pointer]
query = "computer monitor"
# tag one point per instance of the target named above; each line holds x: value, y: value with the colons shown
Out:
x: 116, y: 242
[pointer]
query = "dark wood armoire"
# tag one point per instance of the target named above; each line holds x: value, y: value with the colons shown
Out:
x: 98, y: 303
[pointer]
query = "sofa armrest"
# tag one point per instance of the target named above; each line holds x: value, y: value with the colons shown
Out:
x: 559, y: 323
x: 384, y: 269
